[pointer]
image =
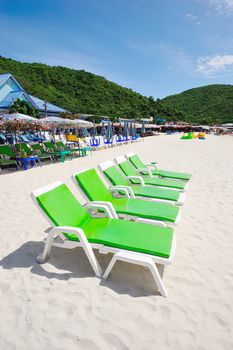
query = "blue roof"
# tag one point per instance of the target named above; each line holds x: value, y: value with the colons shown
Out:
x: 3, y: 77
x: 50, y: 107
x: 10, y: 98
x: 35, y: 101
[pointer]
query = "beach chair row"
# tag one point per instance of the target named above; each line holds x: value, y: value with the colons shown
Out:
x: 148, y: 200
x: 24, y: 153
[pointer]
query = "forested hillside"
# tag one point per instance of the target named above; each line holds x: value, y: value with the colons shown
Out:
x: 82, y: 92
x: 208, y: 104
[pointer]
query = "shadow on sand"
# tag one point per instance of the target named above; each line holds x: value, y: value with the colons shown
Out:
x: 125, y: 278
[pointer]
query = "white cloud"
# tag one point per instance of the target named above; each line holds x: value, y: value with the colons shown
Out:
x: 223, y: 7
x: 211, y: 65
x: 193, y: 18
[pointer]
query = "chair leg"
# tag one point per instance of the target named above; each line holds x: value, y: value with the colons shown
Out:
x: 47, y: 248
x: 134, y: 258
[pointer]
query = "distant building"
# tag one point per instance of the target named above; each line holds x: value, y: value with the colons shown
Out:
x: 11, y: 90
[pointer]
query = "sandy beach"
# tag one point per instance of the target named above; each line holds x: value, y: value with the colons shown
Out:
x: 62, y: 305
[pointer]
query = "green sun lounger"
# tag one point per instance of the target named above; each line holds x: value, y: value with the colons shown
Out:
x: 31, y: 151
x: 123, y: 200
x: 7, y: 156
x: 129, y: 170
x: 80, y: 150
x: 142, y: 191
x: 51, y: 147
x: 73, y: 226
x: 136, y: 161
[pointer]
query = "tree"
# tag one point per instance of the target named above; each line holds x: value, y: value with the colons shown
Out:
x: 20, y: 106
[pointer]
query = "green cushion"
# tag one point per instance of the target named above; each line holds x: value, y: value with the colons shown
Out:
x: 42, y: 154
x: 7, y: 150
x: 172, y: 174
x: 180, y: 185
x: 93, y: 186
x: 136, y: 161
x: 7, y: 162
x: 50, y: 145
x: 24, y: 147
x: 116, y: 178
x: 95, y: 190
x: 38, y: 147
x: 155, y: 192
x: 139, y: 237
x: 129, y: 170
x: 146, y: 209
x: 62, y: 207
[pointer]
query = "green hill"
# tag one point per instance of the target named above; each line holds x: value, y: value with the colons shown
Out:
x: 79, y: 91
x: 208, y: 104
x: 83, y: 92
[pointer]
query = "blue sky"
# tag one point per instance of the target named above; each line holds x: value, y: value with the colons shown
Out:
x: 157, y: 48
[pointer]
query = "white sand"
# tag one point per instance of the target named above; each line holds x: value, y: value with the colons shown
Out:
x: 62, y: 305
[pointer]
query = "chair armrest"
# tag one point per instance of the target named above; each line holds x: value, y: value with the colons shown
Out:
x: 138, y: 178
x: 153, y: 222
x: 96, y: 207
x: 152, y: 165
x: 122, y: 192
x: 144, y: 172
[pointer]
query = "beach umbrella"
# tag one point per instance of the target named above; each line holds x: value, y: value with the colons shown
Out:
x: 113, y: 129
x: 134, y: 130
x: 109, y: 133
x: 17, y: 122
x: 126, y: 130
x: 84, y: 132
x: 81, y: 123
x: 17, y: 116
x: 120, y: 131
x: 143, y: 128
x: 94, y: 132
x: 131, y: 129
x: 103, y: 130
x: 58, y: 121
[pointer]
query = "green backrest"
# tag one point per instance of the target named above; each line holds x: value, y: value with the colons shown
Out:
x: 37, y: 147
x: 50, y: 145
x: 7, y: 150
x: 136, y: 161
x: 92, y: 186
x: 115, y: 176
x: 60, y: 144
x: 62, y: 207
x: 128, y: 168
x: 23, y: 147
